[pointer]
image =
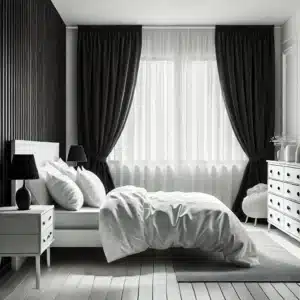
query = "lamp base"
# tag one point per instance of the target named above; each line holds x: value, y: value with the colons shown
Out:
x: 23, y: 198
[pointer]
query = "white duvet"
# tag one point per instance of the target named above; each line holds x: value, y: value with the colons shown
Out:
x: 132, y: 220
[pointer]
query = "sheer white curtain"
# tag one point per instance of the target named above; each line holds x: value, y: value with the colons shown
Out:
x: 178, y: 135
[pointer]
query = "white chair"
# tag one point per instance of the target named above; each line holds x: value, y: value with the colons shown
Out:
x: 256, y: 202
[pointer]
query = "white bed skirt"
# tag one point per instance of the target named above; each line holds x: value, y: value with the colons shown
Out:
x: 221, y: 180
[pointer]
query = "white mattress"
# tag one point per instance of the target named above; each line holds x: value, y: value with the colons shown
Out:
x: 85, y: 218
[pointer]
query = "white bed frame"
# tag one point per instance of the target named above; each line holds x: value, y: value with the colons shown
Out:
x: 43, y: 152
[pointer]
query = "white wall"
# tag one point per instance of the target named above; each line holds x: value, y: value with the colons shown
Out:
x: 291, y: 76
x: 71, y: 88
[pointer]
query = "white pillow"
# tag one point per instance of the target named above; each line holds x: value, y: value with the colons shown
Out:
x: 91, y: 186
x: 64, y: 191
x: 38, y: 188
x: 61, y: 166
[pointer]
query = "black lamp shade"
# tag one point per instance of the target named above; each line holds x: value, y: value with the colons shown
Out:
x: 23, y: 167
x: 77, y: 154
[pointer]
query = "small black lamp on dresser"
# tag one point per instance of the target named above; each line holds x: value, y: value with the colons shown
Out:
x: 23, y: 167
x: 77, y: 154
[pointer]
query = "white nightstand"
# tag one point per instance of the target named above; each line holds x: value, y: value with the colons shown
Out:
x: 27, y: 233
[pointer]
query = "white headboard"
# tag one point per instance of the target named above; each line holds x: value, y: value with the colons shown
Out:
x: 42, y: 151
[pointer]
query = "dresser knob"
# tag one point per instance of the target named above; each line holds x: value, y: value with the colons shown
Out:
x: 278, y: 203
x: 271, y: 171
x: 298, y: 176
x: 288, y: 191
x: 288, y: 208
x: 271, y: 216
x: 298, y: 194
x: 278, y: 219
x: 298, y: 230
x: 44, y: 240
x: 288, y: 224
x: 271, y: 185
x: 278, y: 173
x: 44, y: 223
x: 288, y: 175
x: 278, y: 188
x: 271, y: 200
x: 298, y: 212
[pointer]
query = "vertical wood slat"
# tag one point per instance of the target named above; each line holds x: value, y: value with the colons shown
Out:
x: 32, y: 78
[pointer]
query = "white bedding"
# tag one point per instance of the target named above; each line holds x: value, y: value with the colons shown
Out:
x: 132, y: 220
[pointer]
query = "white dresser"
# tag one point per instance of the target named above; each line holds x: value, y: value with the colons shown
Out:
x: 27, y: 233
x: 284, y: 197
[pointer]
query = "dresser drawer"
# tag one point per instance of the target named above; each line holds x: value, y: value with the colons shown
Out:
x: 275, y: 218
x: 275, y: 201
x: 275, y: 172
x: 47, y: 219
x: 275, y: 187
x: 292, y: 227
x: 292, y: 191
x: 292, y: 175
x: 292, y: 208
x: 46, y: 237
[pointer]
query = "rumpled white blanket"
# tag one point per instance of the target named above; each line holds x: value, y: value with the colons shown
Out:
x: 132, y: 220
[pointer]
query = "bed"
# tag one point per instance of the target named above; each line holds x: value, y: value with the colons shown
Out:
x: 131, y: 220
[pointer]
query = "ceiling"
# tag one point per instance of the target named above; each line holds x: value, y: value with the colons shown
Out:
x: 176, y: 12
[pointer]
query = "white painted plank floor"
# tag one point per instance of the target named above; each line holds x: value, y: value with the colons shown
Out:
x: 147, y: 277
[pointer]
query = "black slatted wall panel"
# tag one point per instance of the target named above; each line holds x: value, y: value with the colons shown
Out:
x: 32, y: 78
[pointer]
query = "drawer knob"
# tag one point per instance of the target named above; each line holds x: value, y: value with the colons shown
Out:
x: 288, y: 174
x: 271, y: 216
x: 288, y: 208
x: 298, y: 194
x: 271, y: 171
x: 288, y: 225
x: 278, y: 173
x: 278, y: 219
x: 298, y: 176
x: 271, y: 200
x: 271, y: 185
x: 49, y: 218
x: 298, y: 230
x: 44, y: 223
x: 298, y: 212
x: 278, y: 203
x: 278, y: 188
x: 44, y: 240
x: 288, y: 191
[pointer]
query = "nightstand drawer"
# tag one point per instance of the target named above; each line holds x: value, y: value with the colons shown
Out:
x: 19, y: 244
x: 47, y: 219
x: 46, y: 237
x: 19, y: 224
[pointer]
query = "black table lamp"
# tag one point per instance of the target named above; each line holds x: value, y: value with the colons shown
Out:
x: 77, y: 154
x: 23, y: 167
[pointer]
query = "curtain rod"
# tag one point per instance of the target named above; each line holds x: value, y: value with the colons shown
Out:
x: 171, y: 27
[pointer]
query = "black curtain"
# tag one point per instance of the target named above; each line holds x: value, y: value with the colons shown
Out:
x: 107, y: 65
x: 246, y: 65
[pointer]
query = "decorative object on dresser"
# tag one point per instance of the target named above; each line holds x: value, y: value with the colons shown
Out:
x: 30, y: 240
x: 284, y: 197
x: 23, y: 167
x: 77, y: 154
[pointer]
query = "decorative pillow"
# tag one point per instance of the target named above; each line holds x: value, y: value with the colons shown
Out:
x: 38, y: 188
x: 64, y: 191
x: 61, y: 166
x: 91, y: 186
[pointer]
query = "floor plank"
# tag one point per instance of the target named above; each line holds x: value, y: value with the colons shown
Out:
x: 173, y: 292
x: 116, y: 288
x: 159, y: 280
x: 242, y: 291
x: 214, y: 291
x: 256, y: 291
x: 186, y: 291
x: 228, y: 291
x: 68, y: 289
x: 100, y: 288
x: 131, y: 285
x: 284, y: 291
x: 270, y: 291
x: 146, y: 279
x: 201, y: 291
x: 295, y: 288
x: 83, y: 290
